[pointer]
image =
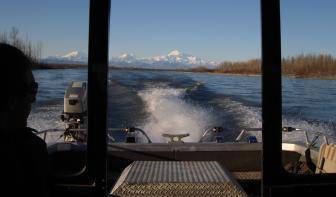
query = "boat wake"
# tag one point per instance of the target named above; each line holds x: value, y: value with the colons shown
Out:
x: 162, y: 105
x: 46, y: 117
x: 169, y: 112
x: 250, y: 117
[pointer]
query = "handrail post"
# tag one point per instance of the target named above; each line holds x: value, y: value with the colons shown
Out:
x: 271, y: 94
x: 97, y: 94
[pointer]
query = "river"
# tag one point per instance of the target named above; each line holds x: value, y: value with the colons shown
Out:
x: 183, y: 102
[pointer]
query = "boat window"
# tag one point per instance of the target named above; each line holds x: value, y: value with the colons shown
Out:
x: 184, y: 78
x: 308, y: 69
x: 54, y: 36
x: 174, y: 71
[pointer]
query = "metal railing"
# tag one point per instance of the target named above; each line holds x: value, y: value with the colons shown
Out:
x: 309, y: 143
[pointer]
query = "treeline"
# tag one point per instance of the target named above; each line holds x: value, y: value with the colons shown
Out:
x: 33, y: 50
x: 60, y: 66
x: 310, y: 65
x: 240, y: 67
x: 305, y: 65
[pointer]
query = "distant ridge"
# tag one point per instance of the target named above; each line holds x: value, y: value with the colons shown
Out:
x: 73, y: 57
x: 173, y: 60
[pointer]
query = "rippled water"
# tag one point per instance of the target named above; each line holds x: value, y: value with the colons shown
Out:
x: 177, y: 102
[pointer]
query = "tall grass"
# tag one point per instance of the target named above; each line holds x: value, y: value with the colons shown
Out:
x: 241, y: 67
x: 304, y: 65
x: 311, y: 65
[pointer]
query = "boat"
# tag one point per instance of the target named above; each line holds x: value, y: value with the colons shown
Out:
x: 242, y: 157
x: 250, y: 167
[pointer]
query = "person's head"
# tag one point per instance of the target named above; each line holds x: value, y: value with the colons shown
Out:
x: 17, y: 86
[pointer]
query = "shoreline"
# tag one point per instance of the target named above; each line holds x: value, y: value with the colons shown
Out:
x: 192, y: 70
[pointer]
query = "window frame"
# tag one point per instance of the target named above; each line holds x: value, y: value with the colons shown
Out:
x: 274, y: 177
x: 97, y: 94
x: 275, y: 180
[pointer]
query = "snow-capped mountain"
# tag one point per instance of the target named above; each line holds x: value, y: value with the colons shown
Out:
x: 72, y: 57
x: 174, y: 59
x: 127, y: 58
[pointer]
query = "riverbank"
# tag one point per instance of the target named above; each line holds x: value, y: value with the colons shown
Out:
x: 58, y: 66
x: 302, y: 66
x: 240, y: 72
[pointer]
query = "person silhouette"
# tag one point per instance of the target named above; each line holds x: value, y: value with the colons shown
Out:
x: 25, y: 157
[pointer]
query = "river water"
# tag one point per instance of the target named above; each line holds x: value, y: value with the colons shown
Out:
x: 179, y: 102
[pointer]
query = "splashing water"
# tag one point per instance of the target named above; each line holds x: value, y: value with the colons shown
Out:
x: 170, y: 113
x: 233, y: 102
x: 250, y: 117
x: 46, y: 117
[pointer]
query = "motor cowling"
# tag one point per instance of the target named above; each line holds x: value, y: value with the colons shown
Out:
x: 75, y: 105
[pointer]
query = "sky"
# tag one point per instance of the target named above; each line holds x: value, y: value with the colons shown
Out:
x: 216, y: 30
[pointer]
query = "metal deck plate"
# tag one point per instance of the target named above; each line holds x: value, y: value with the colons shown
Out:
x: 176, y: 178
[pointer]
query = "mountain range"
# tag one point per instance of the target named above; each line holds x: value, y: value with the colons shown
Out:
x: 174, y: 59
x: 74, y: 57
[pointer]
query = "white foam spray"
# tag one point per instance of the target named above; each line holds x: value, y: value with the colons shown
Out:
x: 170, y: 113
x: 250, y: 117
x: 46, y: 117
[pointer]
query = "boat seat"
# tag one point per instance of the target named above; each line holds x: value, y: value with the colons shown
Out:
x: 67, y: 160
x: 326, y: 161
x: 176, y: 178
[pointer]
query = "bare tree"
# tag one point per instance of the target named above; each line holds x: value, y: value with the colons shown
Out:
x: 32, y: 50
x: 3, y: 37
x: 14, y: 38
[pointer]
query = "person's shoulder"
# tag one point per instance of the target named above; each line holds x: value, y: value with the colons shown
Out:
x: 25, y: 136
x: 36, y: 144
x: 28, y: 138
x: 37, y: 140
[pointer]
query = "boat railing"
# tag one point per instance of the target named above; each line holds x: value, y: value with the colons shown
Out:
x: 308, y: 142
x: 214, y: 130
x: 63, y: 132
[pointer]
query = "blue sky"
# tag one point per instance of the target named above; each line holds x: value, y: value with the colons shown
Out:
x: 213, y: 29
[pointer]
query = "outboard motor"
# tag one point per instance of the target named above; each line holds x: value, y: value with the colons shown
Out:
x: 75, y: 106
x: 75, y: 112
